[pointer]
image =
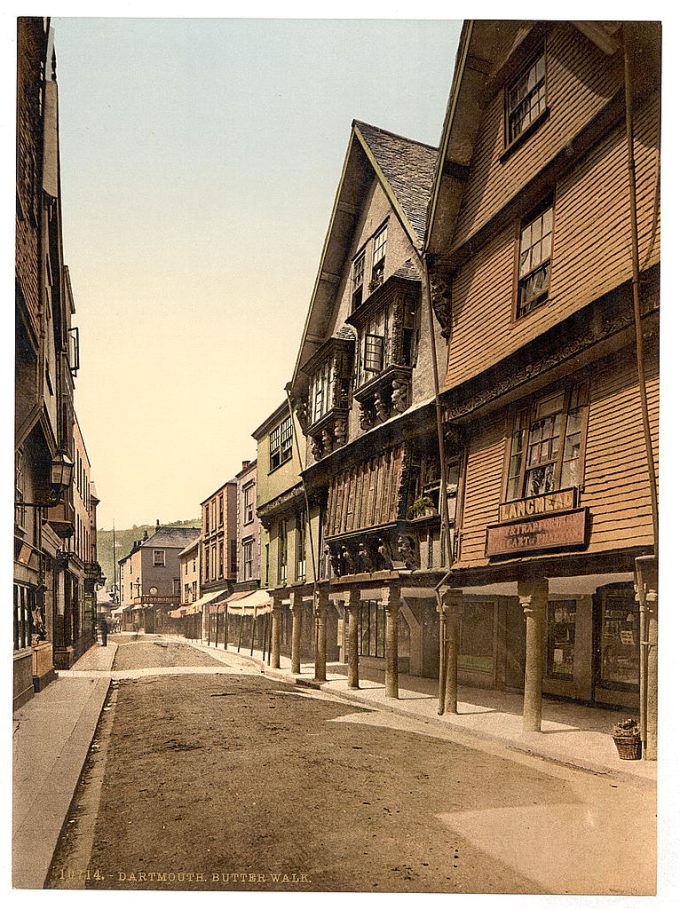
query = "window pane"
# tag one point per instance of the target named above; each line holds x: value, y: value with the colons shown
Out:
x: 620, y: 641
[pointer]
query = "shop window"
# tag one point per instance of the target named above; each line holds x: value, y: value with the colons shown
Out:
x: 24, y: 604
x: 619, y: 657
x: 546, y: 443
x: 476, y: 637
x: 372, y: 629
x: 561, y: 638
x: 300, y: 546
x: 525, y: 99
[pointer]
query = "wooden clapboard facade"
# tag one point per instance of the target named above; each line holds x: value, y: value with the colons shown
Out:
x: 529, y: 245
x: 363, y: 393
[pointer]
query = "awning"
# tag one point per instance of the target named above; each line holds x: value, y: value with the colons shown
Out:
x: 196, y: 607
x: 119, y: 610
x: 176, y: 613
x: 255, y: 602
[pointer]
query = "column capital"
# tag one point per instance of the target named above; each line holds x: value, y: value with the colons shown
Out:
x: 295, y: 600
x: 320, y: 601
x: 353, y: 600
x: 452, y: 601
x: 533, y: 594
x: 391, y: 598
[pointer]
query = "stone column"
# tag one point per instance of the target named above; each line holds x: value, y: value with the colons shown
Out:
x: 276, y: 632
x: 392, y: 605
x: 320, y: 613
x: 452, y: 606
x: 353, y: 605
x: 296, y: 610
x: 533, y: 598
x: 646, y: 587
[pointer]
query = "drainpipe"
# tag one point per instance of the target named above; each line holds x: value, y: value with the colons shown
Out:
x: 640, y: 358
x: 443, y: 497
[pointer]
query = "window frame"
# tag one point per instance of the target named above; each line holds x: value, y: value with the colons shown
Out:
x: 248, y: 503
x: 512, y: 142
x: 366, y: 367
x: 570, y: 391
x: 156, y: 563
x: 540, y: 299
x: 278, y: 455
x: 358, y: 286
x: 247, y: 551
x: 379, y: 248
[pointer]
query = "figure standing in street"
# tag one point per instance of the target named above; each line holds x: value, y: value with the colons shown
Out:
x: 104, y: 629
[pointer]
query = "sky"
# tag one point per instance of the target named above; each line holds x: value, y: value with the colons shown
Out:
x: 199, y: 164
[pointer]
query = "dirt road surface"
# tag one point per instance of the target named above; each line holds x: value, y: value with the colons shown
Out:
x: 236, y: 782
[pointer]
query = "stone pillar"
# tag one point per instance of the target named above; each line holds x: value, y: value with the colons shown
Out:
x: 296, y: 610
x: 646, y: 587
x: 353, y: 605
x: 320, y: 613
x: 392, y: 605
x: 533, y: 598
x: 452, y: 607
x: 276, y: 632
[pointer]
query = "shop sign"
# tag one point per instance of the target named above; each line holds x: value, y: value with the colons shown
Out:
x: 551, y: 531
x: 562, y: 500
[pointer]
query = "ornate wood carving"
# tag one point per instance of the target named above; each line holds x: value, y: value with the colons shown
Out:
x: 440, y: 295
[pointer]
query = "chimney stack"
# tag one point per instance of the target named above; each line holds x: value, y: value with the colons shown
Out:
x: 158, y: 524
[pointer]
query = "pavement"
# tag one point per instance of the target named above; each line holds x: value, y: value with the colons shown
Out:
x: 53, y: 733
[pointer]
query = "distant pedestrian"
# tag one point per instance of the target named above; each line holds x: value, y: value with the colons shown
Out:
x: 104, y: 629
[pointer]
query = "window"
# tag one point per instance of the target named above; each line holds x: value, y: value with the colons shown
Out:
x: 283, y: 552
x: 232, y: 557
x: 358, y: 269
x: 19, y: 491
x: 379, y: 247
x: 206, y: 519
x: 525, y: 100
x: 321, y: 391
x: 248, y: 507
x: 300, y: 545
x: 220, y: 562
x: 561, y: 637
x: 372, y: 629
x: 159, y: 558
x: 221, y: 510
x: 477, y: 637
x: 535, y: 251
x: 175, y: 587
x: 247, y: 559
x: 281, y: 444
x: 213, y: 561
x: 619, y: 656
x: 266, y: 564
x: 546, y: 444
x: 373, y: 353
x: 24, y: 605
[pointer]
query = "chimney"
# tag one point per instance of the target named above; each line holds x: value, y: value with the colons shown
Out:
x: 245, y: 464
x: 158, y: 524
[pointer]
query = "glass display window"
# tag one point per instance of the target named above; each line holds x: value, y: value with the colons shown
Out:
x: 477, y: 637
x: 561, y: 639
x: 619, y: 652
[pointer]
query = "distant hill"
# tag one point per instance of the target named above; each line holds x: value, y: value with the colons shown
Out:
x: 124, y: 541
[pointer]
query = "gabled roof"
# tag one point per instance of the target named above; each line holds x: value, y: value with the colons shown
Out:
x: 408, y: 167
x: 172, y: 537
x: 405, y: 170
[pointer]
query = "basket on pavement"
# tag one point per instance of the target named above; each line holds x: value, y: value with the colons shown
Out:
x: 627, y: 739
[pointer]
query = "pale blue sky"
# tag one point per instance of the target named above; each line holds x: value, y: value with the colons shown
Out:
x: 200, y: 159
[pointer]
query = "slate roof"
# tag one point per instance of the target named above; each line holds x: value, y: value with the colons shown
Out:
x: 408, y: 271
x: 409, y: 168
x: 172, y: 537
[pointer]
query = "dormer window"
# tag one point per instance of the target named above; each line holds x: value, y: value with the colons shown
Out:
x: 525, y: 100
x: 358, y: 269
x: 379, y: 248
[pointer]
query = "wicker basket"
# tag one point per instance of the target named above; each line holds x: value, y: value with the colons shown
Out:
x: 629, y: 748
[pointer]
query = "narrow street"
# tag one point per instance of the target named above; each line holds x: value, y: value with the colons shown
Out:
x: 236, y: 782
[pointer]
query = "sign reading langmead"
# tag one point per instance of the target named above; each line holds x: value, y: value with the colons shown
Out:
x: 548, y: 531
